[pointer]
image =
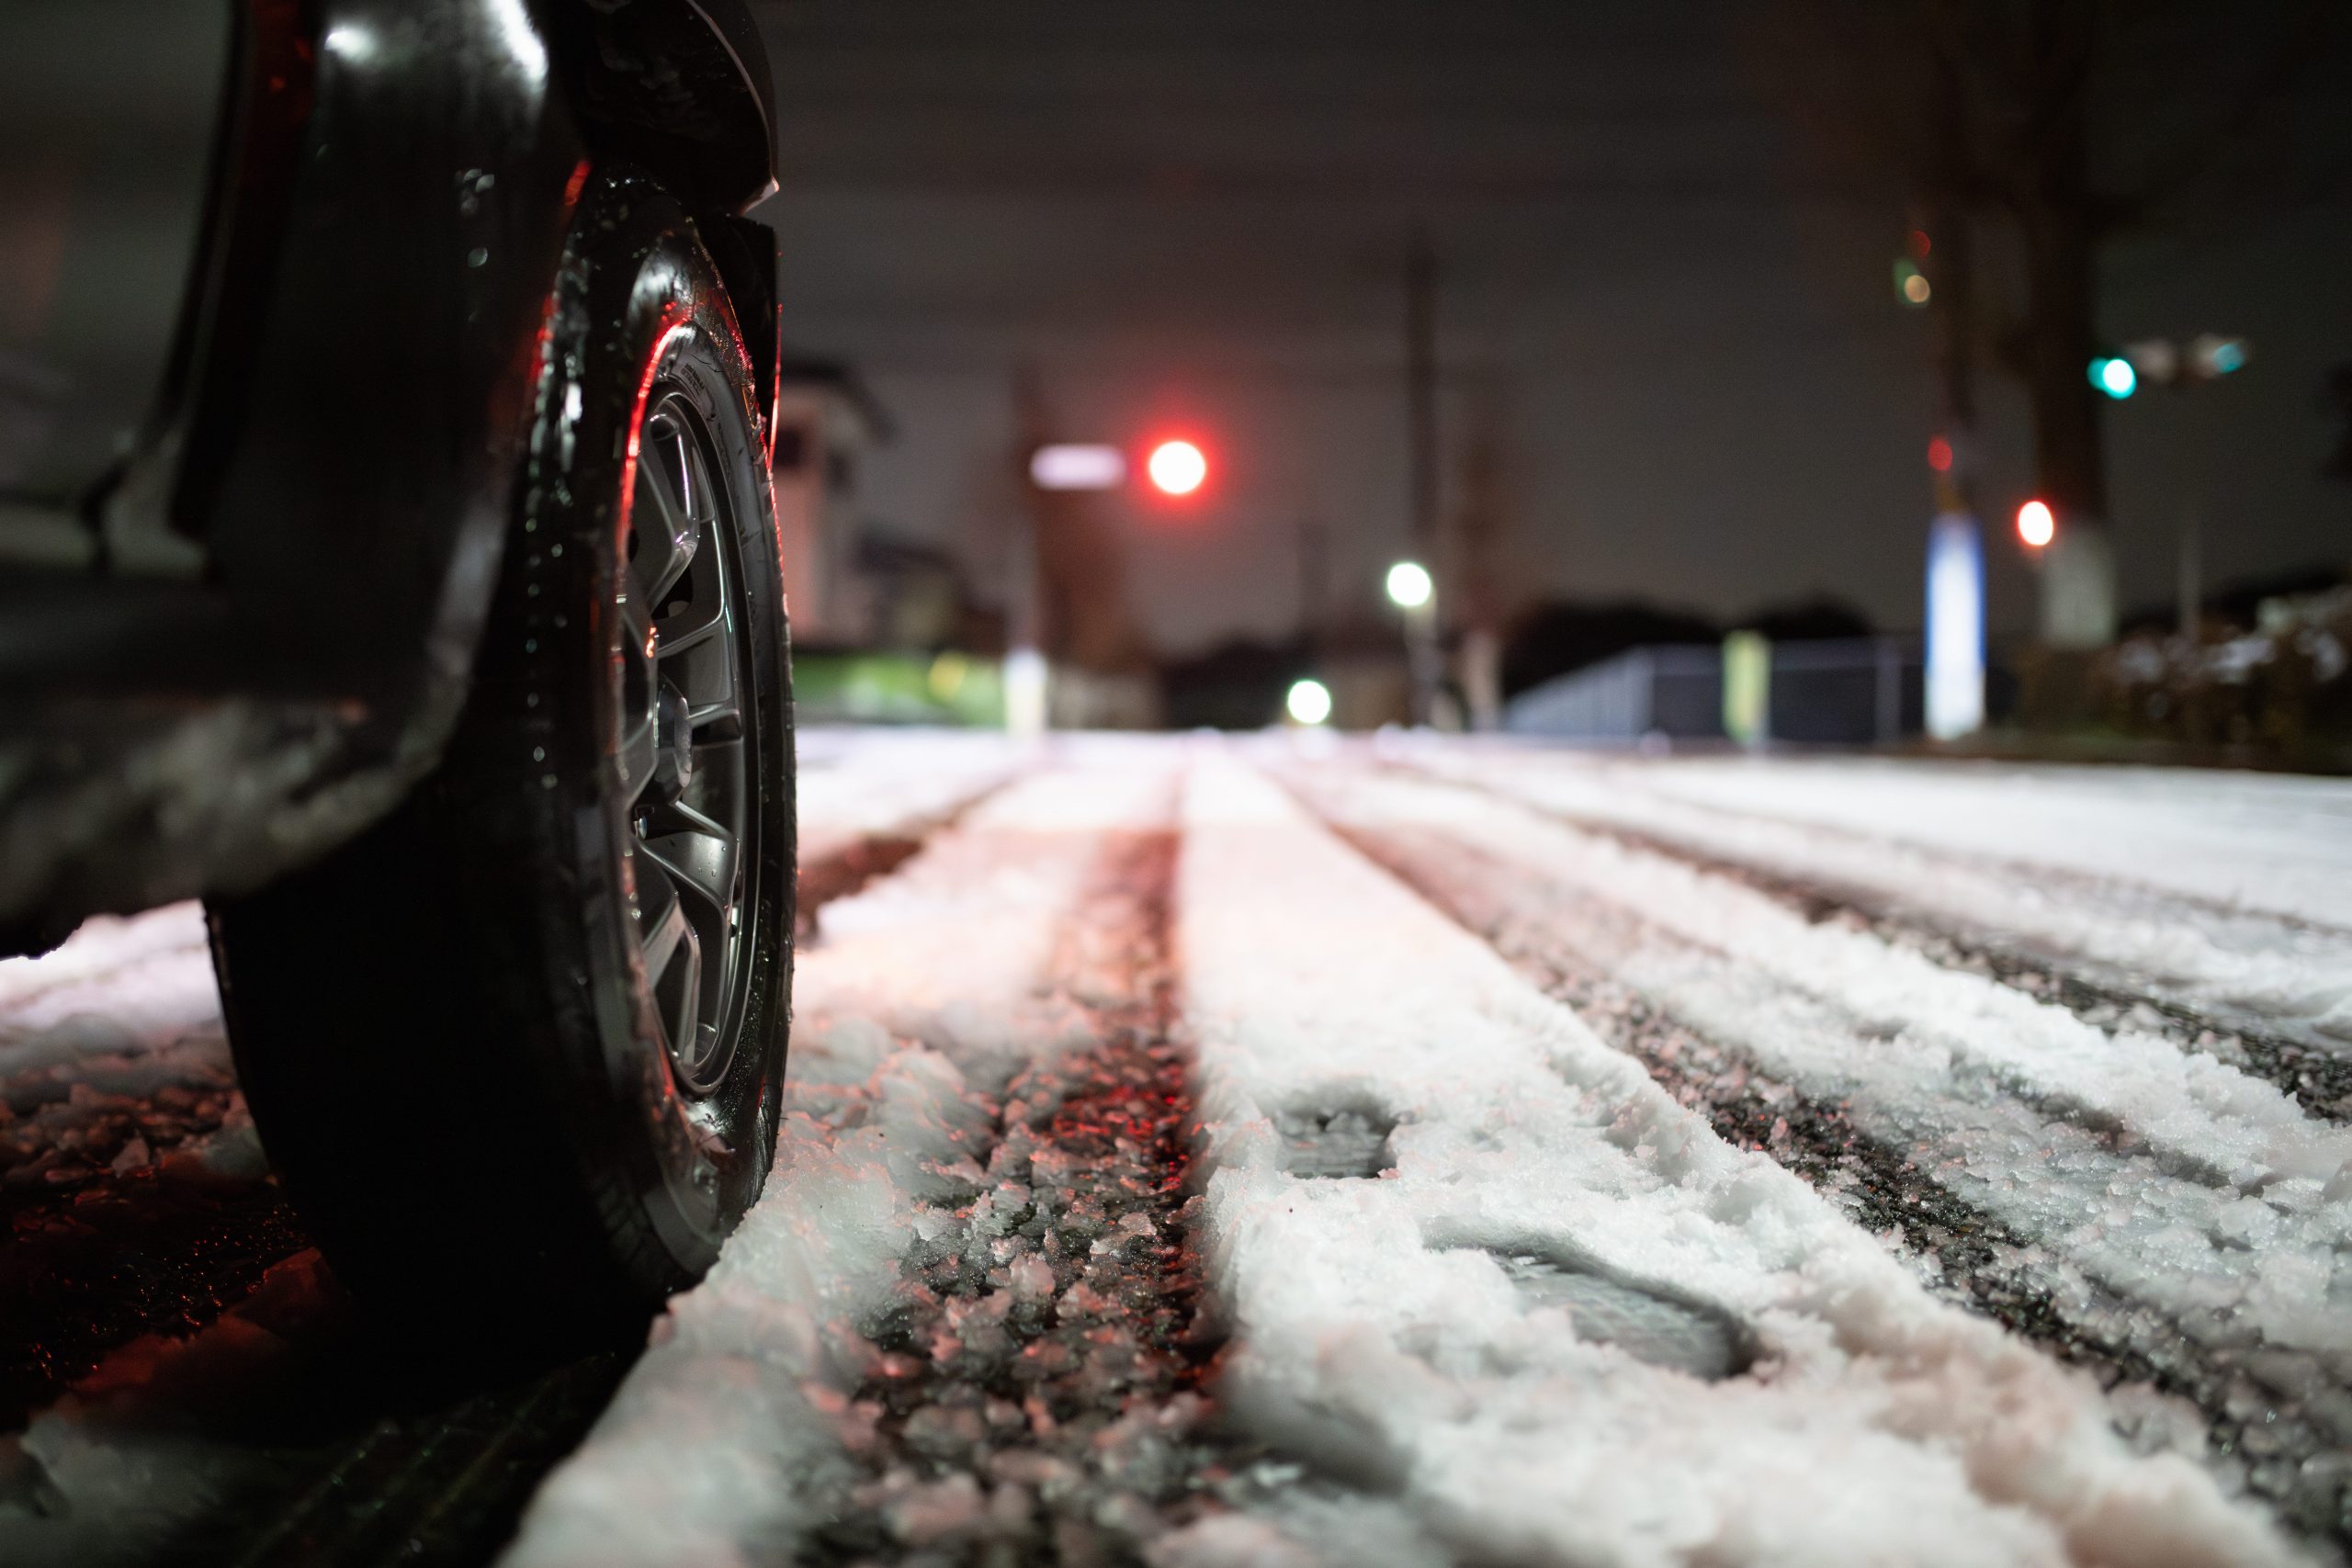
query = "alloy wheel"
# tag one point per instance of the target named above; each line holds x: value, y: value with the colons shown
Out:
x: 686, y: 739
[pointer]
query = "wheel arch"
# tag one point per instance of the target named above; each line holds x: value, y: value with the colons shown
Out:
x: 679, y: 88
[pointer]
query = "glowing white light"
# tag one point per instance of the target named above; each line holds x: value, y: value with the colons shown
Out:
x: 1955, y: 676
x: 353, y: 42
x: 1309, y: 701
x: 1177, y: 467
x: 1409, y: 585
x: 2037, y: 524
x: 1073, y: 466
x: 522, y: 39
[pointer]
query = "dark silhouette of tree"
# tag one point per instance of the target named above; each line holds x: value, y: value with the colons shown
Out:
x: 2339, y: 392
x: 1810, y: 620
x: 2062, y: 125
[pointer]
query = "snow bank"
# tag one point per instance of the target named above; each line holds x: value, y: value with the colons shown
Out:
x: 1379, y: 1335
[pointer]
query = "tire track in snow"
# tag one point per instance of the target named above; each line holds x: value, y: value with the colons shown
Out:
x: 1894, y: 1175
x: 1035, y: 1392
x: 961, y: 1325
x: 449, y: 1486
x: 1877, y: 1425
x: 2317, y: 1077
x: 2268, y: 986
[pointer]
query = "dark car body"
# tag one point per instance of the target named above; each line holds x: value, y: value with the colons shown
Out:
x: 275, y: 276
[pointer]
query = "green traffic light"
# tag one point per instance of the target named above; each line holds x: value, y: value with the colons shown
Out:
x: 2115, y: 377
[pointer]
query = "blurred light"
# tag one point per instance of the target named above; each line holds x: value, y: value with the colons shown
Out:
x: 1309, y: 701
x: 2114, y: 377
x: 1915, y: 288
x: 353, y: 42
x: 522, y: 39
x: 1955, y: 674
x: 1409, y: 585
x: 946, y: 675
x: 2217, y: 356
x: 1939, y: 455
x: 1177, y: 467
x: 1072, y: 465
x: 2037, y: 524
x: 2155, y: 360
x: 1920, y: 244
x: 1748, y: 687
x: 1026, y: 679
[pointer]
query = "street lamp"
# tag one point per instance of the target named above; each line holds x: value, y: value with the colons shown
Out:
x: 1413, y: 590
x: 1410, y: 586
x: 1309, y: 701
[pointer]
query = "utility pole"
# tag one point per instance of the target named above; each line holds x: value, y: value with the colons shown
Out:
x: 2190, y: 581
x: 1476, y: 528
x: 1314, y: 556
x: 1420, y: 414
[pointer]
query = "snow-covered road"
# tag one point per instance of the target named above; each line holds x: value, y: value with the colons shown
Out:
x: 1416, y: 1152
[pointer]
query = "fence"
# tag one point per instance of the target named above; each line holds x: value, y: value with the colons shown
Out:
x: 1847, y: 691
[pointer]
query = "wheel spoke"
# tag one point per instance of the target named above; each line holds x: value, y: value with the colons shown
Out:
x: 700, y: 863
x: 711, y: 696
x: 713, y: 711
x: 667, y: 532
x: 689, y: 626
x: 665, y: 929
x: 635, y: 754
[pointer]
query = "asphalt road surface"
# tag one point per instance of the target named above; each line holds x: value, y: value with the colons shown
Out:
x: 1290, y: 1152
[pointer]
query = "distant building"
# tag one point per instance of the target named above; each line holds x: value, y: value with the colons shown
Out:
x: 916, y: 597
x: 826, y: 420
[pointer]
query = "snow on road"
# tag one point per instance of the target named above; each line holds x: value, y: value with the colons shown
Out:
x: 2185, y: 1220
x: 1476, y: 1288
x: 1874, y: 1423
x: 2229, y: 894
x: 139, y: 1206
x: 1201, y: 1154
x: 894, y: 783
x: 2260, y: 842
x: 742, y: 1432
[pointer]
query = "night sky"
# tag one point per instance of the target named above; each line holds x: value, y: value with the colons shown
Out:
x: 1671, y: 303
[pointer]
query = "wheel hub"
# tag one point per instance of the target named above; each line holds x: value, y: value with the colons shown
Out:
x: 673, y: 745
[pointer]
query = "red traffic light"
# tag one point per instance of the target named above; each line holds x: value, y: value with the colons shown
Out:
x: 1177, y: 467
x: 2037, y: 524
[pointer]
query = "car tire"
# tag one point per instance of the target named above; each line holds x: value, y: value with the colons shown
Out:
x: 517, y: 1050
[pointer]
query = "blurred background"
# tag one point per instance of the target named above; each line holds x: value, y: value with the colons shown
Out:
x: 1680, y: 346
